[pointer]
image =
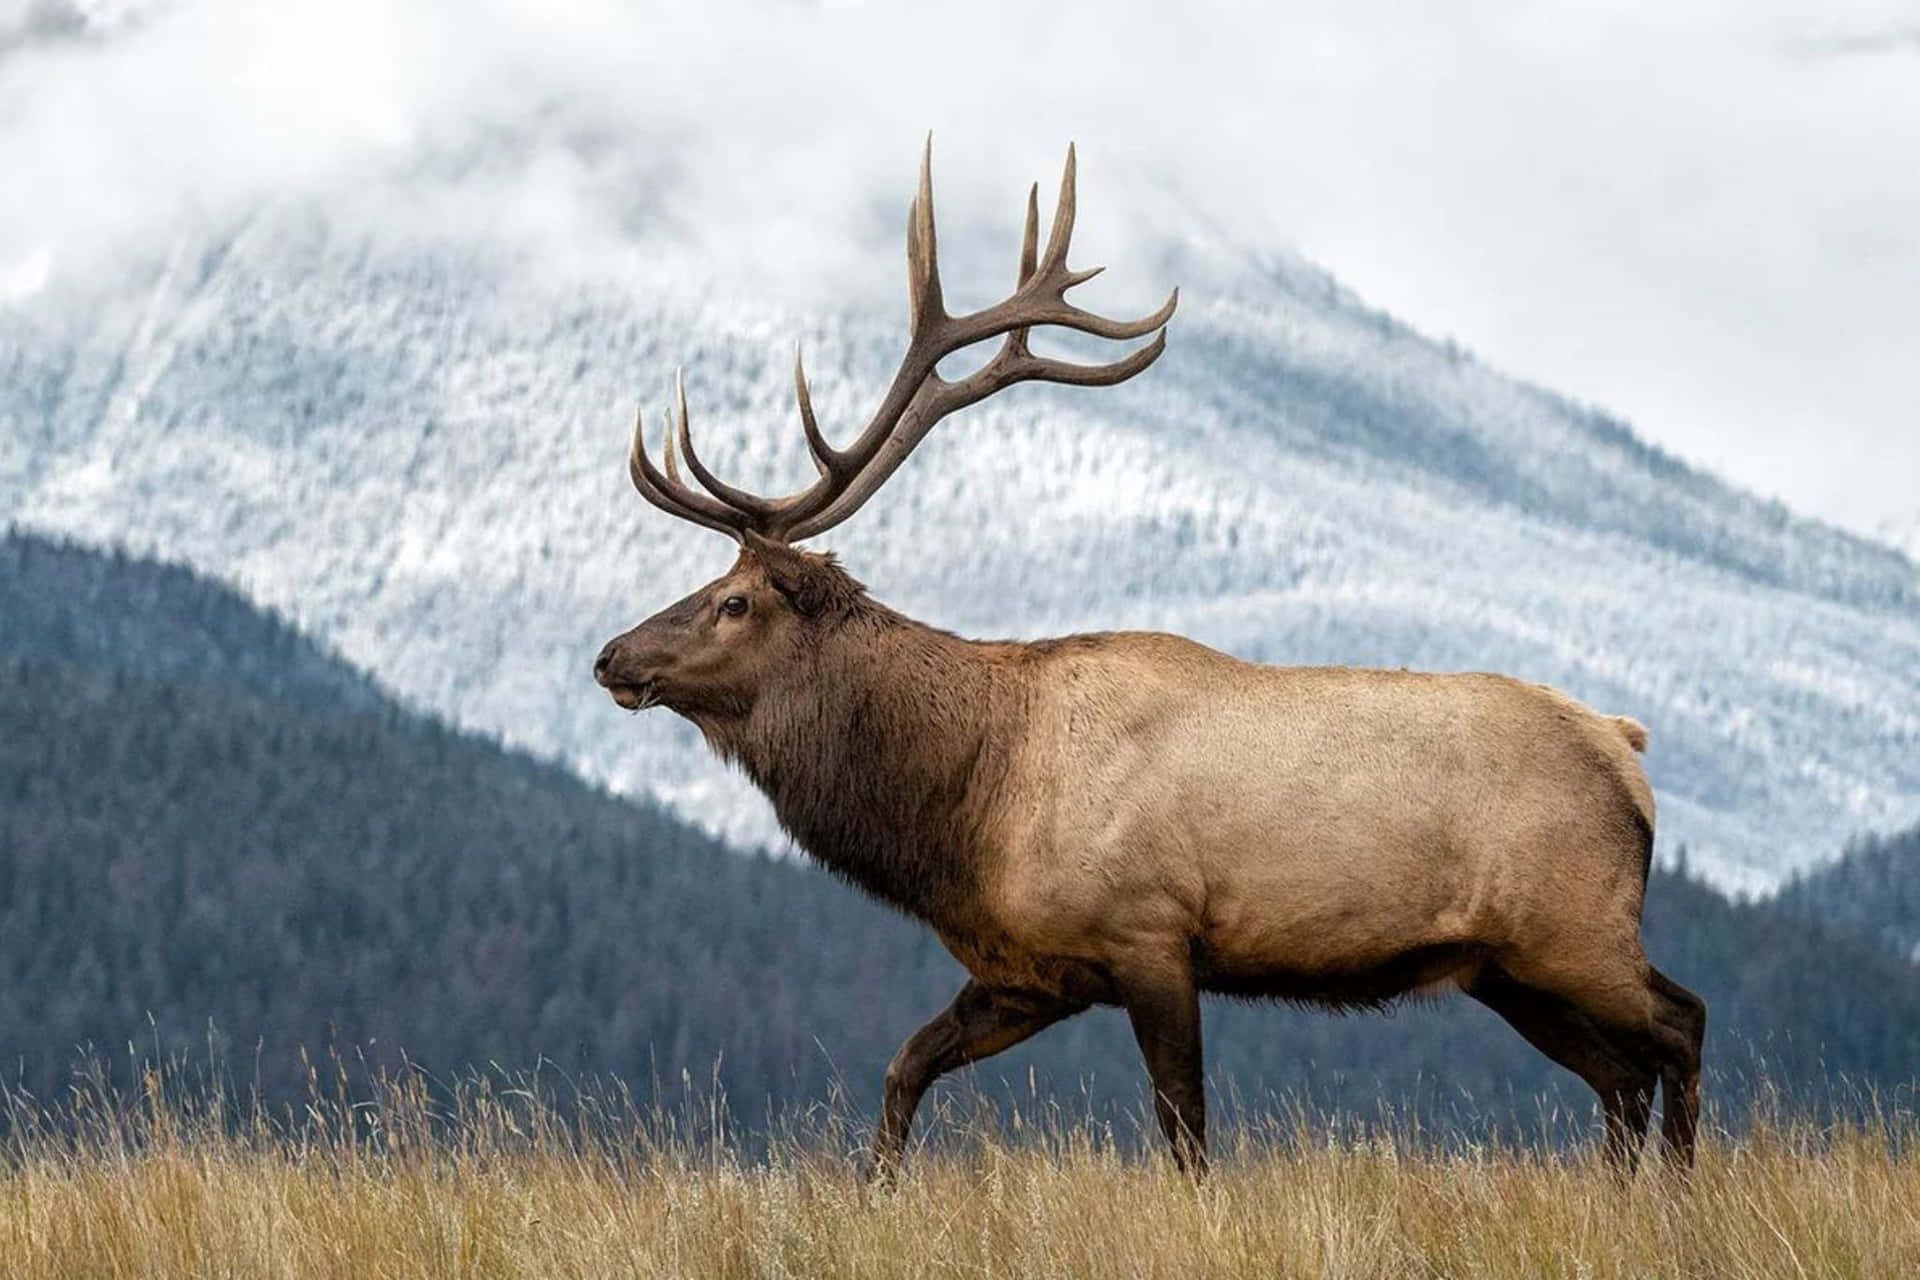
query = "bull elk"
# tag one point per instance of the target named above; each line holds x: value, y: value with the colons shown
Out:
x: 1133, y: 819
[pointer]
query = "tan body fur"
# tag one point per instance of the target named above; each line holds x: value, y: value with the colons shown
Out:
x: 1163, y: 788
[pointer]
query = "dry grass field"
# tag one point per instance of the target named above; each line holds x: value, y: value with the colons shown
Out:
x: 485, y: 1181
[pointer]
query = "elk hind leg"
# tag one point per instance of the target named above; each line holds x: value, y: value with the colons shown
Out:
x: 1567, y: 1036
x: 1641, y: 1013
x: 980, y: 1022
x: 1683, y: 1012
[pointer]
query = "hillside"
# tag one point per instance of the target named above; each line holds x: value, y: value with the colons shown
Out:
x: 413, y: 446
x: 299, y: 877
x: 78, y: 607
x: 1872, y: 890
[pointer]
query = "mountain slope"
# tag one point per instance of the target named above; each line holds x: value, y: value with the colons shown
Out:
x: 216, y: 847
x: 77, y: 607
x: 196, y: 853
x: 1872, y: 890
x: 415, y: 449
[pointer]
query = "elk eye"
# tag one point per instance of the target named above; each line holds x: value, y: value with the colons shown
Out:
x: 734, y: 606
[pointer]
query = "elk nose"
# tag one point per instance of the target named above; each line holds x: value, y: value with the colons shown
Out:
x: 600, y: 663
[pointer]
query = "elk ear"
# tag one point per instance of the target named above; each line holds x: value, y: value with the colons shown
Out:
x: 806, y: 586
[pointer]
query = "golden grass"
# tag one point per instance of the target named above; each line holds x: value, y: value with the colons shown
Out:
x: 489, y: 1182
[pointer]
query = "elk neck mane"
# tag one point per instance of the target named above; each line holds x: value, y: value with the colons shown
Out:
x: 881, y: 746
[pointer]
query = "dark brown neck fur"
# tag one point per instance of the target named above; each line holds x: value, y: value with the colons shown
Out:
x: 876, y: 747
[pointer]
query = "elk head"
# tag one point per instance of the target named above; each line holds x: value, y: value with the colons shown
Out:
x: 709, y: 654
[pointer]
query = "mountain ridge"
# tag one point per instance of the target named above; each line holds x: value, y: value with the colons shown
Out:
x: 84, y: 607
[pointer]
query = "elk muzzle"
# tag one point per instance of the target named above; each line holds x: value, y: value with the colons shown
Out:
x: 634, y: 685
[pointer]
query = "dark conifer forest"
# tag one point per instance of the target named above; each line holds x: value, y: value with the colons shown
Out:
x: 1872, y: 890
x: 218, y: 841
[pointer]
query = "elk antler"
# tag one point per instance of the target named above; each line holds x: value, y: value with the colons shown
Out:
x: 918, y: 396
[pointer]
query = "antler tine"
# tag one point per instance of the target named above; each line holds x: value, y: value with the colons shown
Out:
x: 1060, y: 237
x: 1028, y: 247
x: 1102, y: 327
x: 913, y: 266
x: 1029, y: 240
x: 1061, y: 234
x: 739, y: 499
x: 666, y: 444
x: 923, y: 251
x: 683, y: 428
x: 823, y: 454
x: 667, y: 493
x: 1046, y: 369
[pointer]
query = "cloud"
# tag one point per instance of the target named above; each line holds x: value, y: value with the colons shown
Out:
x: 1859, y: 43
x: 22, y: 279
x: 1680, y: 212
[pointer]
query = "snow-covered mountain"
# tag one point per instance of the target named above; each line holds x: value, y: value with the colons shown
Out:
x: 416, y: 447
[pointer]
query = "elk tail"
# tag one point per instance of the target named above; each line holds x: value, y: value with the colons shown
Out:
x: 1632, y: 730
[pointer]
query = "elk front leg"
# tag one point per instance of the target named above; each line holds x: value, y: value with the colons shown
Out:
x: 979, y: 1023
x: 1164, y: 1007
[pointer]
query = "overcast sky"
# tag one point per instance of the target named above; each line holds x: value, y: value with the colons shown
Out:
x: 1702, y: 217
